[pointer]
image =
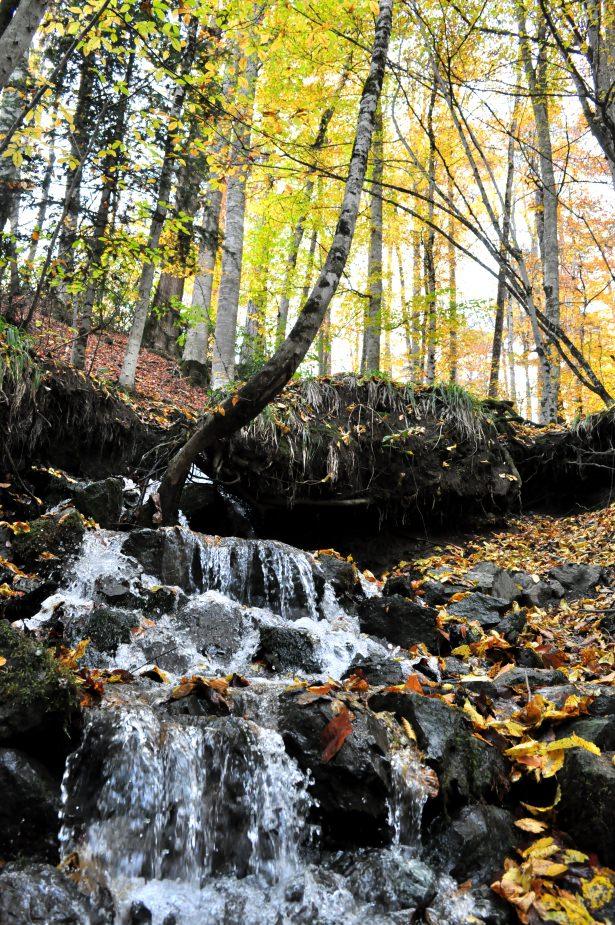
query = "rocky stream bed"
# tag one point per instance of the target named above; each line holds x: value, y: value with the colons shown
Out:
x: 205, y: 730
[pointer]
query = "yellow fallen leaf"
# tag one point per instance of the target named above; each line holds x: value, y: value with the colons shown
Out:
x: 531, y: 825
x: 408, y: 729
x: 598, y: 891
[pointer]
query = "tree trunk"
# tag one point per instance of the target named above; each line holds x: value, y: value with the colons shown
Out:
x: 549, y: 242
x: 11, y: 104
x: 429, y: 250
x: 496, y: 350
x: 453, y: 319
x: 162, y: 332
x: 510, y: 332
x: 135, y: 338
x: 248, y: 401
x: 17, y: 36
x: 223, y: 361
x: 82, y: 124
x: 295, y: 245
x: 373, y: 315
x: 194, y: 359
x: 110, y: 178
x: 418, y: 358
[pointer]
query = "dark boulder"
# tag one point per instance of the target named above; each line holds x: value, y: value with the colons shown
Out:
x: 484, y: 608
x: 168, y: 554
x: 106, y: 628
x: 597, y: 729
x: 393, y: 879
x: 498, y: 582
x: 38, y: 894
x: 538, y: 593
x: 60, y: 534
x: 585, y: 810
x: 512, y: 625
x: 435, y: 593
x: 467, y: 767
x: 577, y: 578
x: 474, y: 842
x: 29, y: 807
x: 344, y: 578
x: 288, y: 647
x: 399, y: 621
x: 532, y: 677
x: 101, y: 501
x: 377, y: 669
x: 402, y: 584
x: 352, y: 789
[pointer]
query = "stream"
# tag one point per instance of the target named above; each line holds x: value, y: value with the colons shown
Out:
x: 184, y: 813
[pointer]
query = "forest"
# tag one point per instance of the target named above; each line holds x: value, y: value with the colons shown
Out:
x: 307, y: 467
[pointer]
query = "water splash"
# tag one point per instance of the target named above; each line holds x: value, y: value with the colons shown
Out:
x: 409, y: 794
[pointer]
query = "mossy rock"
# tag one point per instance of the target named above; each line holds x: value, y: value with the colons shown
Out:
x: 58, y: 534
x: 33, y: 684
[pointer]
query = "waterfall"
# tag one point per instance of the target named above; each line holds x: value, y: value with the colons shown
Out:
x: 147, y: 797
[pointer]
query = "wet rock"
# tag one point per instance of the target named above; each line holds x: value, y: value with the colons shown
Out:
x: 288, y: 647
x: 512, y: 626
x: 29, y: 807
x: 377, y: 669
x: 587, y: 798
x: 139, y: 914
x: 33, y: 690
x: 39, y: 893
x: 162, y: 599
x: 344, y: 578
x: 216, y: 626
x: 577, y: 578
x: 166, y: 554
x: 399, y: 621
x: 116, y: 591
x: 467, y: 768
x: 107, y: 628
x: 58, y: 534
x: 597, y: 729
x: 475, y: 841
x: 485, y: 608
x: 392, y: 878
x: 101, y: 501
x: 352, y: 788
x: 557, y: 693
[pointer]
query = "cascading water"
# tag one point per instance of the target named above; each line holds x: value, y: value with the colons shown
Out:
x: 206, y: 820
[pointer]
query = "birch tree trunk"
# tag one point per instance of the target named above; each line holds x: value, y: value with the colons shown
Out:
x: 536, y: 77
x: 251, y: 398
x: 223, y: 361
x: 373, y: 316
x: 194, y: 359
x: 17, y: 36
x: 295, y: 245
x: 165, y: 180
x: 453, y: 319
x: 429, y: 257
x: 11, y: 104
x: 496, y: 350
x: 418, y: 359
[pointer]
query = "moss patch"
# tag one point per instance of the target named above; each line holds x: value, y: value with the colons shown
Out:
x: 32, y: 683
